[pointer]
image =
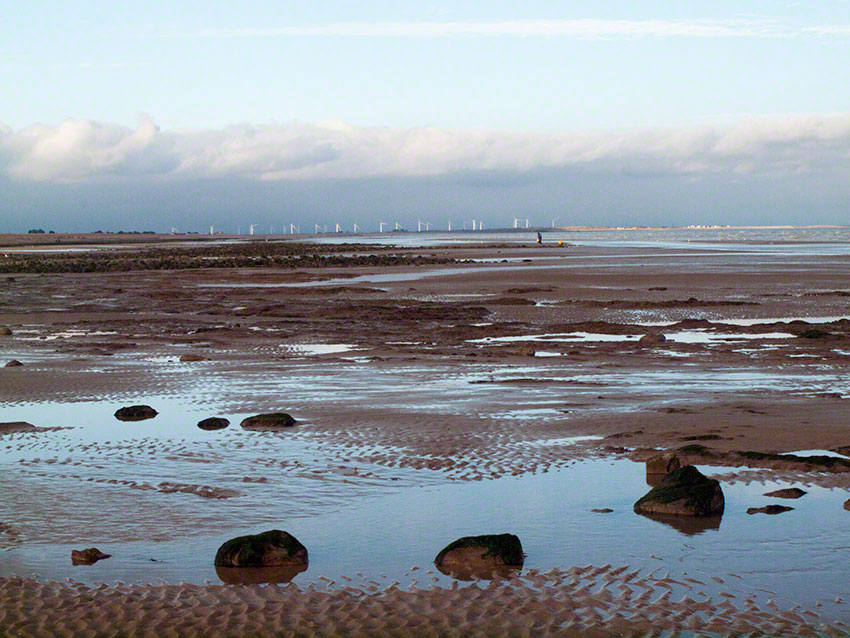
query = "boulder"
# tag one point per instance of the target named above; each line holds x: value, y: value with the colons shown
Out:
x: 474, y: 554
x: 847, y: 504
x: 790, y: 492
x: 4, y: 331
x: 271, y: 548
x: 683, y: 492
x: 663, y: 464
x: 87, y: 556
x: 769, y: 509
x: 16, y: 426
x: 213, y: 423
x: 272, y: 421
x: 193, y: 357
x: 135, y: 413
x: 652, y: 338
x: 14, y: 363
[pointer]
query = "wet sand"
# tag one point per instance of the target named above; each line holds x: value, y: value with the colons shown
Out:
x: 426, y: 389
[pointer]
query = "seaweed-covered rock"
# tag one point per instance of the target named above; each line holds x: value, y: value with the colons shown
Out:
x: 272, y: 421
x: 87, y: 556
x: 651, y: 338
x: 5, y: 331
x: 135, y: 413
x: 14, y: 363
x: 267, y: 549
x: 474, y: 553
x: 769, y: 509
x: 788, y: 492
x: 213, y: 423
x: 683, y: 492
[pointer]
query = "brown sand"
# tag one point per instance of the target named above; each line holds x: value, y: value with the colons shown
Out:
x: 78, y: 335
x: 580, y: 601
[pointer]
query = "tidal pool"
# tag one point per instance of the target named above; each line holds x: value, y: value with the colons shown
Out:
x: 79, y: 487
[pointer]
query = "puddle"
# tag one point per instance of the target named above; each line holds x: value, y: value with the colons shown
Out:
x: 818, y: 453
x: 313, y: 349
x: 687, y: 336
x: 384, y: 536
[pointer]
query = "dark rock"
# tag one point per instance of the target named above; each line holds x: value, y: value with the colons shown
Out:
x: 790, y: 492
x: 663, y: 464
x: 213, y: 423
x: 16, y: 426
x: 769, y: 509
x: 478, y: 554
x: 87, y: 556
x: 135, y: 413
x: 271, y: 548
x: 184, y: 358
x: 602, y: 510
x: 683, y: 492
x: 847, y: 504
x: 4, y: 331
x: 814, y: 333
x: 652, y: 338
x: 272, y: 421
x: 14, y: 363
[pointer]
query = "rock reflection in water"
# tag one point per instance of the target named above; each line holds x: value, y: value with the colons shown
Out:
x: 493, y: 572
x: 689, y: 525
x: 258, y: 575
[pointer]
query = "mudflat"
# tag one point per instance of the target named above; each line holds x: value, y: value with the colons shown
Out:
x: 404, y: 368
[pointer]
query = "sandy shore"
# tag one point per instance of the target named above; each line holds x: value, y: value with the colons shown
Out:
x: 581, y: 601
x: 469, y: 370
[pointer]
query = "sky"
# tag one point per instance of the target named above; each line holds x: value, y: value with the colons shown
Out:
x: 134, y: 116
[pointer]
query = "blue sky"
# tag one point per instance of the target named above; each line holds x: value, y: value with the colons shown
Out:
x: 197, y: 93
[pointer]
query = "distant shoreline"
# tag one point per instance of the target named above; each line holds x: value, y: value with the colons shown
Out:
x: 135, y: 237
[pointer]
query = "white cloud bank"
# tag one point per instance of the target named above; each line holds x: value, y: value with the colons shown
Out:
x: 88, y: 151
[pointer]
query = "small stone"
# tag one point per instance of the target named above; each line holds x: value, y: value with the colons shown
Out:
x: 14, y: 363
x: 184, y: 358
x: 652, y: 338
x: 4, y: 331
x: 602, y: 510
x: 135, y: 413
x: 87, y: 556
x: 213, y: 423
x: 769, y: 509
x: 271, y: 421
x: 790, y: 492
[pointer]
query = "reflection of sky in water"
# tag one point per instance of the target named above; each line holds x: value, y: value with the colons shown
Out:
x: 550, y: 512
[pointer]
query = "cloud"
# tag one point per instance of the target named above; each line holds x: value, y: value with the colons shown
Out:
x: 88, y: 151
x: 580, y: 28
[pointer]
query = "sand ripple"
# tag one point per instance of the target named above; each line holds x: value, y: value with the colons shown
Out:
x: 588, y: 601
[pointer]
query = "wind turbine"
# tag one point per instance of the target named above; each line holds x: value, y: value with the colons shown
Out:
x: 338, y: 228
x: 554, y: 220
x: 293, y: 229
x: 381, y: 226
x: 450, y: 225
x: 174, y: 231
x: 251, y: 228
x: 356, y: 228
x: 516, y: 222
x: 398, y: 226
x: 317, y: 228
